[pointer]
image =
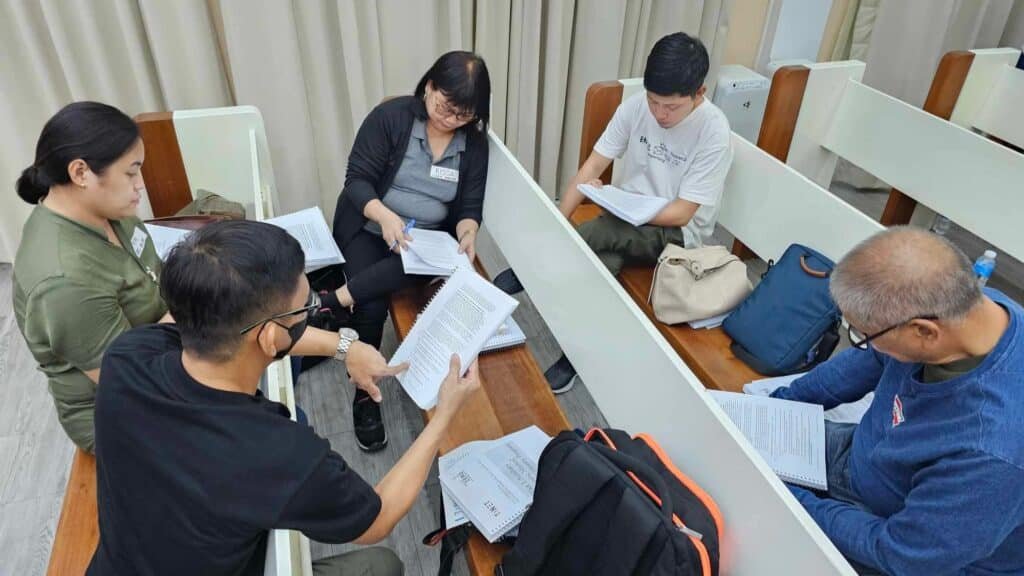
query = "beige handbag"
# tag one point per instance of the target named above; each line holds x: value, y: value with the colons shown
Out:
x: 697, y: 283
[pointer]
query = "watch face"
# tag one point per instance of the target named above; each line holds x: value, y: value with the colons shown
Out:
x: 349, y: 333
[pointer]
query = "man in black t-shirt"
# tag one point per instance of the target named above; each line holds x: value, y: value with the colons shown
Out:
x: 195, y: 465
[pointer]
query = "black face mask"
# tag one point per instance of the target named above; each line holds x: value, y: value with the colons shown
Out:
x: 295, y: 332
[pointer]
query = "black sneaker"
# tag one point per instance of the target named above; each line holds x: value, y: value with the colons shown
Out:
x: 369, y: 426
x: 561, y: 376
x: 508, y: 282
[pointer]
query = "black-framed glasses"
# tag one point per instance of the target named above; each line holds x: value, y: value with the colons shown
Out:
x: 310, y: 310
x: 861, y: 340
x: 444, y: 109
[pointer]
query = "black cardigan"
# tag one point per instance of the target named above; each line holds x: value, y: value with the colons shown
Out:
x: 377, y: 155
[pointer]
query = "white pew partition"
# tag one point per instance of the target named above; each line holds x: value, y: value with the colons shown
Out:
x: 972, y: 180
x: 987, y: 71
x: 640, y: 383
x: 762, y: 196
x: 288, y: 551
x: 216, y: 149
x: 1001, y: 115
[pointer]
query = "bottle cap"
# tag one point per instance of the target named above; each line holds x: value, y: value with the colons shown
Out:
x: 990, y: 253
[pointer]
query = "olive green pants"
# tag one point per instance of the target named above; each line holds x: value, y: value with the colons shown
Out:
x: 618, y: 243
x: 376, y: 561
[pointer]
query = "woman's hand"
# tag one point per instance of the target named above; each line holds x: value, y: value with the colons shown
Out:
x: 393, y: 229
x: 467, y: 244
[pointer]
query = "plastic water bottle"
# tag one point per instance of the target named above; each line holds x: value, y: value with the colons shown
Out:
x: 984, y: 266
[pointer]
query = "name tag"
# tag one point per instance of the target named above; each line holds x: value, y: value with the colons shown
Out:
x: 139, y: 241
x: 446, y: 174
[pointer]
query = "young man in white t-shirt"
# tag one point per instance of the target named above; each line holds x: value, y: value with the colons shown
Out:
x: 676, y: 145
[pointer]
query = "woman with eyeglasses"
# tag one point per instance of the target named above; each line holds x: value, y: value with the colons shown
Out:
x: 418, y: 161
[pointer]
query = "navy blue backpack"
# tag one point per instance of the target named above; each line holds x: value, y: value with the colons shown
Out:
x: 789, y: 323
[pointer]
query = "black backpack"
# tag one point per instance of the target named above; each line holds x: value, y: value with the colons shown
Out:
x: 608, y: 504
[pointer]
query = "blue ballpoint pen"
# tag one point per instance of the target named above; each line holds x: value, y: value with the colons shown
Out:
x: 408, y: 226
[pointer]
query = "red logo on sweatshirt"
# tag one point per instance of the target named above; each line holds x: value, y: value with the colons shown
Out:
x: 897, y: 411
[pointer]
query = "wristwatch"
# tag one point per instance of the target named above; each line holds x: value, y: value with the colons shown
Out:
x: 346, y: 336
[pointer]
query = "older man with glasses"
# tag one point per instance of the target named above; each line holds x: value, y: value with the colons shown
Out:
x: 931, y: 481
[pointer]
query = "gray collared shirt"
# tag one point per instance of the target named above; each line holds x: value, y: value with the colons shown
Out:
x: 416, y: 193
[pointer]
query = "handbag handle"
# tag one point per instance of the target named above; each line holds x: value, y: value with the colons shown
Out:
x: 645, y: 473
x: 811, y: 271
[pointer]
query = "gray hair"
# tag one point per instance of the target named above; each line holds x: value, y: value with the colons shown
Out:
x: 904, y: 273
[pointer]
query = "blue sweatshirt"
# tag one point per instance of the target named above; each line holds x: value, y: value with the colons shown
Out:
x: 939, y: 467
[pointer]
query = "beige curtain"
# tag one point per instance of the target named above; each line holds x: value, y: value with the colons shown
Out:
x: 316, y: 67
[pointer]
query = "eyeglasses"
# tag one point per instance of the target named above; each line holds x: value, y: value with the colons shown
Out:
x: 445, y: 109
x: 310, y: 309
x: 861, y: 340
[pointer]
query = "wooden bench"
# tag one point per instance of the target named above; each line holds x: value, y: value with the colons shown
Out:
x: 78, y: 530
x: 513, y: 395
x: 706, y: 351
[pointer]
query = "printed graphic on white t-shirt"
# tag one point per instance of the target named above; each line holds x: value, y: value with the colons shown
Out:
x: 689, y: 160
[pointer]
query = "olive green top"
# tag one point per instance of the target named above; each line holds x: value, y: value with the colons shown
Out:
x: 74, y: 292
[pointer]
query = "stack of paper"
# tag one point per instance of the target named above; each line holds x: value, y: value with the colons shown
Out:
x: 490, y: 482
x: 165, y: 238
x: 460, y: 319
x: 790, y: 436
x: 709, y: 323
x: 310, y: 228
x: 433, y: 253
x: 637, y: 209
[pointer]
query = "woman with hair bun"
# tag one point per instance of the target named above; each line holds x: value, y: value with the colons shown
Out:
x: 86, y: 270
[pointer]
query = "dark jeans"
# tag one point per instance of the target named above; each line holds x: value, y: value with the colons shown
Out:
x: 838, y: 442
x: 373, y: 273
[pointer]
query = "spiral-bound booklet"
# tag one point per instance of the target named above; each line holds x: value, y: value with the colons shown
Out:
x: 789, y: 435
x: 460, y: 319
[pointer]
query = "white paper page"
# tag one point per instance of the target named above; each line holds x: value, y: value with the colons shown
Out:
x: 460, y: 319
x: 851, y: 412
x: 165, y: 237
x: 453, y: 514
x: 310, y: 228
x: 437, y: 250
x: 494, y: 485
x: 637, y: 209
x: 707, y: 323
x: 790, y: 436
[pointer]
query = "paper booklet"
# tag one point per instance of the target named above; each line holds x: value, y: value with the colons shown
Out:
x: 508, y: 334
x: 460, y: 319
x: 165, y: 238
x: 433, y: 253
x: 789, y: 435
x: 309, y: 227
x: 637, y: 209
x: 851, y: 412
x: 490, y: 483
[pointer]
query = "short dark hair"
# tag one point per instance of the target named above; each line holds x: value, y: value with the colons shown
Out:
x: 225, y: 276
x: 97, y: 133
x: 463, y: 79
x: 677, y: 65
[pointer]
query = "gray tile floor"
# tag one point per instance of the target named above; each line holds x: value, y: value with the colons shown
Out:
x: 35, y: 456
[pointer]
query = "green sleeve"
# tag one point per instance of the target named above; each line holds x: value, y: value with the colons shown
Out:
x: 77, y: 321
